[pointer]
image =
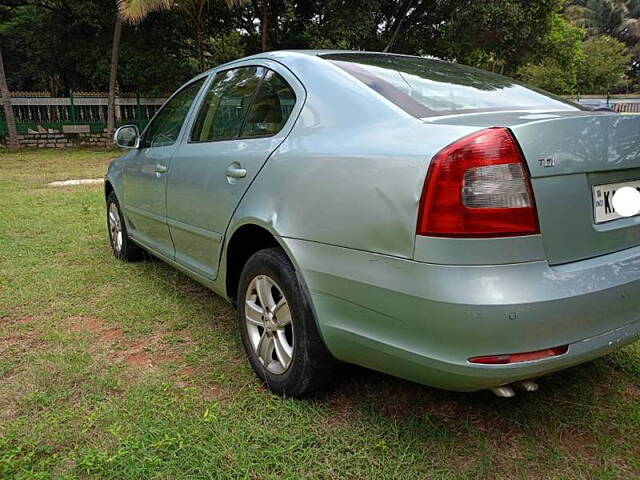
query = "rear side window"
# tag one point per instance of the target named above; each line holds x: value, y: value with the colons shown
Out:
x: 226, y: 104
x: 271, y: 108
x: 426, y: 87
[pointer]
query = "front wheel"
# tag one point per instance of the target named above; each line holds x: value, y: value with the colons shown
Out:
x: 278, y: 328
x: 121, y: 245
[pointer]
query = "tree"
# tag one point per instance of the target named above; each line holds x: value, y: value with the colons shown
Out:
x: 131, y: 11
x: 265, y: 12
x: 113, y: 76
x: 67, y: 47
x: 195, y: 10
x: 406, y: 6
x: 557, y: 68
x: 605, y: 64
x: 617, y: 18
x: 14, y: 143
x: 497, y: 35
x: 62, y: 45
x: 135, y: 11
x: 570, y: 65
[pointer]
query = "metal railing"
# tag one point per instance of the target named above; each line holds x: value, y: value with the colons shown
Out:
x: 625, y: 104
x: 34, y: 111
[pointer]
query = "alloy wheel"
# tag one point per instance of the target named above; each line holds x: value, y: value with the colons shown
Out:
x: 115, y: 227
x: 269, y: 324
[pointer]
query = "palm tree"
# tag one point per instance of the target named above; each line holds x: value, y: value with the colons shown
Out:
x: 195, y: 10
x: 113, y: 75
x: 617, y: 18
x: 14, y: 143
x: 133, y: 12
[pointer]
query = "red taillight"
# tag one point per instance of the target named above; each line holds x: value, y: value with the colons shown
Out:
x: 478, y: 187
x: 520, y: 357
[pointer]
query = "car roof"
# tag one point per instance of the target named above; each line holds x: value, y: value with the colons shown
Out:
x: 282, y: 55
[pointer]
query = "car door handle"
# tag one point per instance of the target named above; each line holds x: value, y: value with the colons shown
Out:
x: 236, y: 172
x: 161, y: 168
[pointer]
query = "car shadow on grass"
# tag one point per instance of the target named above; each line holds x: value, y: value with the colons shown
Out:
x: 582, y: 419
x: 574, y: 392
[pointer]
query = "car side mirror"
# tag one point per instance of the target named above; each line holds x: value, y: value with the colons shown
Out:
x: 127, y: 137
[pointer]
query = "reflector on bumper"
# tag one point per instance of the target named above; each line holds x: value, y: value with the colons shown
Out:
x: 520, y: 357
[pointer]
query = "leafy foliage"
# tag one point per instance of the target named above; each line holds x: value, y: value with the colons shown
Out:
x: 499, y: 36
x: 557, y: 70
x: 63, y: 45
x: 604, y: 65
x: 592, y: 48
x: 135, y: 11
x: 67, y: 47
x: 619, y: 19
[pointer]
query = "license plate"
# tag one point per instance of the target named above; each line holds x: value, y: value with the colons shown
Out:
x: 603, y: 200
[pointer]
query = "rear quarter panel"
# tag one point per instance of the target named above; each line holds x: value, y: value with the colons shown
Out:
x: 351, y: 172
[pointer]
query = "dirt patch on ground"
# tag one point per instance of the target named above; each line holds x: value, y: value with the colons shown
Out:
x: 216, y: 392
x: 631, y: 392
x: 187, y: 371
x: 80, y: 324
x: 75, y: 183
x: 342, y: 409
x: 111, y: 334
x: 138, y: 359
x: 142, y: 354
x: 16, y: 321
x: 21, y: 342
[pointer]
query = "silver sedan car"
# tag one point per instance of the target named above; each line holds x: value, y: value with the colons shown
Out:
x: 413, y: 216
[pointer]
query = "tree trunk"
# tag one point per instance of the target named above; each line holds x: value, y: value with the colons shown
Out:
x: 14, y: 143
x: 264, y: 24
x: 113, y: 76
x: 200, y: 43
x: 398, y: 26
x: 195, y: 11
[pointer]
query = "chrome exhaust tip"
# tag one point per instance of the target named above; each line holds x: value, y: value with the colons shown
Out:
x: 526, y: 385
x: 505, y: 391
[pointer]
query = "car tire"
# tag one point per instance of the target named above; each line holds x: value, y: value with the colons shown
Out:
x: 281, y: 341
x: 122, y: 246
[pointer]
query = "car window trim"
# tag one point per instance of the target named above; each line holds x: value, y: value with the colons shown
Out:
x: 253, y: 99
x: 213, y: 79
x: 267, y: 70
x: 239, y: 137
x: 143, y: 135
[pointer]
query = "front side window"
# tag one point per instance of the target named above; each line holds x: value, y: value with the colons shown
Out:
x: 271, y: 108
x: 226, y: 104
x: 165, y: 127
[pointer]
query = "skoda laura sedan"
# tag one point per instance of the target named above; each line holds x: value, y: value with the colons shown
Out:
x: 421, y: 218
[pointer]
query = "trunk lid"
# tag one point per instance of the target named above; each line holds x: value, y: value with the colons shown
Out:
x: 568, y: 154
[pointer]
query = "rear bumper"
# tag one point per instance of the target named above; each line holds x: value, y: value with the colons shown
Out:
x: 423, y: 322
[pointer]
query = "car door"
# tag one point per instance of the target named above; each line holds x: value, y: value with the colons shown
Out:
x: 245, y: 114
x: 144, y: 177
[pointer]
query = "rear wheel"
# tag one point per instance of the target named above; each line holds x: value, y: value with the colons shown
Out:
x: 121, y: 245
x: 278, y: 328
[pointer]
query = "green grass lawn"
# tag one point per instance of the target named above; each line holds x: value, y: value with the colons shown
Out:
x: 115, y: 370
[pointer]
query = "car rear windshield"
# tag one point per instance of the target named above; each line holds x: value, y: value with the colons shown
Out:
x: 426, y: 87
